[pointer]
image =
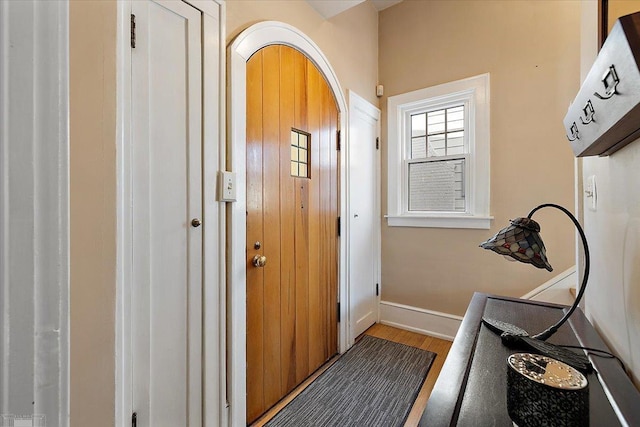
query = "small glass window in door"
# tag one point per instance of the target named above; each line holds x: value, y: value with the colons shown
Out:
x: 300, y: 145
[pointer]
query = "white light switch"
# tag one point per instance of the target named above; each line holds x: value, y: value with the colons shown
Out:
x: 227, y: 186
x: 590, y: 193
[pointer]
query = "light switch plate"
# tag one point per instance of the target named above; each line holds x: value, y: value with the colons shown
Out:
x: 591, y: 194
x: 227, y: 186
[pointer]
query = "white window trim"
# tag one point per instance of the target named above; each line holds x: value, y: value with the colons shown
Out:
x: 474, y: 92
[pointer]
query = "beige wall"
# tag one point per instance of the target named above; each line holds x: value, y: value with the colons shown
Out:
x: 531, y: 49
x: 92, y: 52
x: 348, y: 40
x: 613, y: 229
x: 618, y: 8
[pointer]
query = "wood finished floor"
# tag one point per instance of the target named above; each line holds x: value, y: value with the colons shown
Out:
x: 435, y: 345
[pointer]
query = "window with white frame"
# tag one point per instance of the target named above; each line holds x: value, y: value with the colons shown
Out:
x: 438, y: 160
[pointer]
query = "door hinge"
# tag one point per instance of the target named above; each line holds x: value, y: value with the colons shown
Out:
x: 377, y: 143
x: 134, y: 419
x: 338, y: 140
x: 377, y: 289
x: 338, y: 226
x: 338, y: 312
x: 133, y: 30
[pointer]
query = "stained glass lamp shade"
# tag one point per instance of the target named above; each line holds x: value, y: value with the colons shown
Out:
x: 521, y: 241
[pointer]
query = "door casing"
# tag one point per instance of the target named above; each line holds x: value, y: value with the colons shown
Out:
x: 246, y: 44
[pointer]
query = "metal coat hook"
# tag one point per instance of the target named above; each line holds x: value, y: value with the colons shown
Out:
x: 610, y: 81
x: 575, y: 134
x: 589, y: 112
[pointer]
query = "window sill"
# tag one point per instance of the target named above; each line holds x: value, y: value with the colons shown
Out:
x: 440, y: 221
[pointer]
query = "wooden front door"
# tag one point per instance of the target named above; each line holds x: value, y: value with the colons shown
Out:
x: 292, y: 211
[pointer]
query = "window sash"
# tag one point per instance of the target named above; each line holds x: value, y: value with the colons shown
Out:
x: 407, y: 134
x: 406, y: 185
x: 408, y: 139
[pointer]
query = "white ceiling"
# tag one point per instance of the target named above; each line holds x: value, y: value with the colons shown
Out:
x: 383, y: 4
x: 330, y: 8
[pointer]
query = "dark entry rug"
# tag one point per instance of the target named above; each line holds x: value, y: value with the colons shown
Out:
x: 373, y: 384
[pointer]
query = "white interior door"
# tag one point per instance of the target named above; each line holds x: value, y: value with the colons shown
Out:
x: 166, y: 207
x: 364, y: 221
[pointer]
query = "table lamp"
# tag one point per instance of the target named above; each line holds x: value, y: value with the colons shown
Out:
x: 521, y: 241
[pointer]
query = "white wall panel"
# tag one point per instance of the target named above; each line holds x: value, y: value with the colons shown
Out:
x: 34, y: 211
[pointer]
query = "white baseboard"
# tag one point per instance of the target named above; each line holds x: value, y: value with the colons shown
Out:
x: 415, y: 319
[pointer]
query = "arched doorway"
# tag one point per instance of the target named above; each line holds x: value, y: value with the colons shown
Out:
x: 245, y: 45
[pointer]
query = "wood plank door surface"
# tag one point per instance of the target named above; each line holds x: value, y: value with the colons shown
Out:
x: 292, y: 118
x: 166, y: 179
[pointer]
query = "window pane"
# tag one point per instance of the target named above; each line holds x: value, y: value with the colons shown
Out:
x: 452, y: 151
x: 455, y: 113
x: 436, y: 146
x: 437, y: 186
x: 455, y: 143
x: 435, y: 121
x: 418, y: 124
x: 418, y: 148
x: 453, y: 125
x: 299, y: 153
x: 455, y: 118
x: 455, y: 139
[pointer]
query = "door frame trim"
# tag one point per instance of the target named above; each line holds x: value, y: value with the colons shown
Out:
x: 246, y: 44
x: 213, y: 155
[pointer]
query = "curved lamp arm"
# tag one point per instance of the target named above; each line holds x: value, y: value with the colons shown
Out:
x: 552, y: 329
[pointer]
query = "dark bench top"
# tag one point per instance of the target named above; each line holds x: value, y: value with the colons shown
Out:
x: 471, y: 388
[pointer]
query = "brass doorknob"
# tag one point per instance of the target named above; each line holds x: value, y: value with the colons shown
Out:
x: 195, y: 222
x: 259, y: 261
